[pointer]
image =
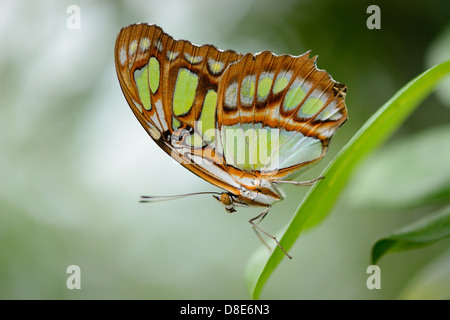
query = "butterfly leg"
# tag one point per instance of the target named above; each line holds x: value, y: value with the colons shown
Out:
x: 258, y: 219
x: 254, y: 222
x: 299, y: 183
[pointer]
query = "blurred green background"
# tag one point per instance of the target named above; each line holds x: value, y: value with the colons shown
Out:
x: 74, y: 160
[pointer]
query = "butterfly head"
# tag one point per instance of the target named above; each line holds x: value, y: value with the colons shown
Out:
x: 226, y: 199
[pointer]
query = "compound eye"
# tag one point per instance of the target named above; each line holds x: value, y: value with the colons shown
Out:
x: 225, y: 199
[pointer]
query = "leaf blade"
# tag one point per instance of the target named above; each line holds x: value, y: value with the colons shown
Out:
x: 420, y: 233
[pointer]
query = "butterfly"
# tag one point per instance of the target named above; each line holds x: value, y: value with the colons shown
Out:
x: 247, y: 123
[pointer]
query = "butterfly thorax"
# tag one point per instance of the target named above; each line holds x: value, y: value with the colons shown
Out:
x: 262, y: 193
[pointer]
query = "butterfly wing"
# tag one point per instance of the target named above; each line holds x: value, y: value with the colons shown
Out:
x: 171, y: 87
x: 284, y: 108
x: 234, y: 120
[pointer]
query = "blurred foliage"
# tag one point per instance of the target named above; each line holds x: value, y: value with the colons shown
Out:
x: 426, y: 231
x: 431, y: 282
x: 73, y: 159
x: 410, y: 172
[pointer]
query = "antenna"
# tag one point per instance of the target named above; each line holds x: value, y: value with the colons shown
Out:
x: 149, y: 199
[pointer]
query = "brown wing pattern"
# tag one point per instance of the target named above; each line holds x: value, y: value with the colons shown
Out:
x: 283, y: 89
x: 135, y: 46
x: 170, y: 84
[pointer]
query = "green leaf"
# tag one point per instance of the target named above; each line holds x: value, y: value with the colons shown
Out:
x: 438, y: 51
x: 411, y: 172
x: 323, y: 195
x: 420, y: 233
